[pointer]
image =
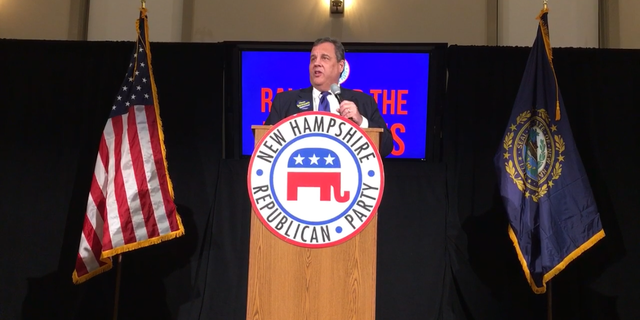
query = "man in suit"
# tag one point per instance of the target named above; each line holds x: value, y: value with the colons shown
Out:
x: 325, y: 67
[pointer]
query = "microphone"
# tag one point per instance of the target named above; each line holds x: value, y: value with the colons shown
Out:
x: 335, y: 89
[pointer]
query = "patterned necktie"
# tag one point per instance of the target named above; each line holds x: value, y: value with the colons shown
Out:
x: 324, y: 102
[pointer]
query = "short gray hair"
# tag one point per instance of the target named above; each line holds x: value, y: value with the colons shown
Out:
x: 336, y: 43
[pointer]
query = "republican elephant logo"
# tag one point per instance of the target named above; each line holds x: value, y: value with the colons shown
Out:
x: 315, y: 168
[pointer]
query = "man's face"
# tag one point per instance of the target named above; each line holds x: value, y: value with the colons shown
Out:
x: 324, y: 68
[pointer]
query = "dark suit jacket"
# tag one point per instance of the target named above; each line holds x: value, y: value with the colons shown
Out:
x: 284, y: 105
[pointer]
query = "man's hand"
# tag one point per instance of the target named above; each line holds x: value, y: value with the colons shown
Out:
x: 349, y: 110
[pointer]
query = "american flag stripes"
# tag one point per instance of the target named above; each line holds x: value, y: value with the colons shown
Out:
x: 130, y: 203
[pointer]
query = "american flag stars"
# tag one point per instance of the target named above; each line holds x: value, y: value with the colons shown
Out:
x: 136, y: 89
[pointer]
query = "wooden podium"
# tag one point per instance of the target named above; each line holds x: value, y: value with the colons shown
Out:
x: 288, y: 282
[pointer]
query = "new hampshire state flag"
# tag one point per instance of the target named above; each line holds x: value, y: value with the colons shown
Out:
x: 553, y: 217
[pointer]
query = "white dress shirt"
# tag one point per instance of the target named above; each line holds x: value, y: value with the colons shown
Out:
x: 333, y: 105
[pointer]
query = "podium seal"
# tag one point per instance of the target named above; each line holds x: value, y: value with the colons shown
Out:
x: 315, y: 179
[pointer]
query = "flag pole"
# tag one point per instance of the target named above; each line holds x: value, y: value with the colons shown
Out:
x: 119, y: 270
x: 549, y: 300
x: 117, y: 294
x: 549, y: 286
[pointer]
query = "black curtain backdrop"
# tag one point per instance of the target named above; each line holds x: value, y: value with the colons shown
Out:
x: 56, y: 97
x: 599, y: 88
x: 443, y: 251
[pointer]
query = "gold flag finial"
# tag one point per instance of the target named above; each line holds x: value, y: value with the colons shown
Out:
x: 144, y: 3
x: 544, y: 5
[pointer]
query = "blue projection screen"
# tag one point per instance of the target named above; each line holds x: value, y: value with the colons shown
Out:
x: 398, y: 81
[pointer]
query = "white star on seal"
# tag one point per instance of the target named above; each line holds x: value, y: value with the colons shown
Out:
x: 329, y: 159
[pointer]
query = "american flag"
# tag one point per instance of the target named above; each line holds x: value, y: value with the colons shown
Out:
x: 130, y: 203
